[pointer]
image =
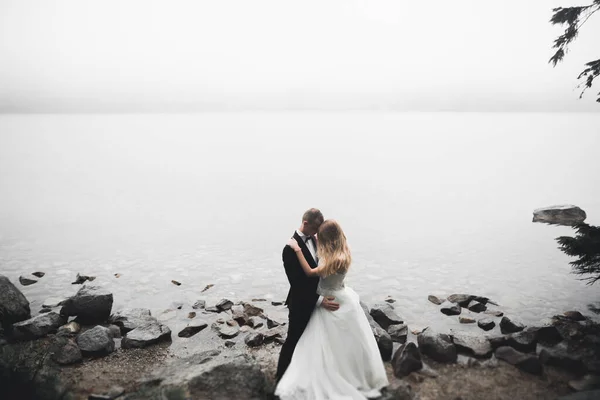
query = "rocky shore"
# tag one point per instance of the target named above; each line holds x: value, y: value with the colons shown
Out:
x: 80, y: 348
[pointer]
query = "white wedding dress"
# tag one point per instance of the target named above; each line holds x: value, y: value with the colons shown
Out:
x: 337, y: 356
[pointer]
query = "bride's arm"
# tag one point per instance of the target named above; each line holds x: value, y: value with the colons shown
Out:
x: 307, y: 269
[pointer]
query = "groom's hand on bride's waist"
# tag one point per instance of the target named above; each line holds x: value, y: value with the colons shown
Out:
x: 329, y: 303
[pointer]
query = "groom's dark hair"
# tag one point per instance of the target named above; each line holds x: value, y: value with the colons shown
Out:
x: 313, y: 216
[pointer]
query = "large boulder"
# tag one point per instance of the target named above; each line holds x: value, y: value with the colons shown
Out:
x: 473, y: 345
x: 383, y: 339
x: 450, y: 308
x: 385, y: 315
x: 131, y: 318
x: 437, y: 346
x: 98, y: 340
x: 146, y: 334
x: 14, y: 307
x: 208, y: 375
x: 560, y: 215
x: 38, y: 326
x: 65, y: 351
x: 91, y: 305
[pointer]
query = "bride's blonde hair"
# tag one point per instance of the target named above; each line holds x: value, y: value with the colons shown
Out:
x: 332, y: 248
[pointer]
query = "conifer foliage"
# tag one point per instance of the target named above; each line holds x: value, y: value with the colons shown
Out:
x: 586, y: 246
x: 574, y: 18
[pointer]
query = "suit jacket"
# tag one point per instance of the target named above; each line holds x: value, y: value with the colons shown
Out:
x: 302, y: 296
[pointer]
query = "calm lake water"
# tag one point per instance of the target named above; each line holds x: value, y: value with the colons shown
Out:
x: 432, y: 203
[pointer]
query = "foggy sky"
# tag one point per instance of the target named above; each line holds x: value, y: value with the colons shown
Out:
x: 147, y: 55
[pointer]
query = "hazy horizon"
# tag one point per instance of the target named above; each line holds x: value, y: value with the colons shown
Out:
x: 71, y: 56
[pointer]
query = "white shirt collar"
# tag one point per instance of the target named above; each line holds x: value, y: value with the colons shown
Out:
x: 302, y: 235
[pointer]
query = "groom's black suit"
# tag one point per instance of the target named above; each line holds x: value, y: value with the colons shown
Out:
x: 301, y: 300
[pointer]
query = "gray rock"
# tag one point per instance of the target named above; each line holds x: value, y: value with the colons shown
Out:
x: 549, y: 336
x: 145, y: 335
x: 212, y: 309
x: 524, y: 341
x: 38, y: 326
x: 252, y: 311
x: 474, y: 345
x: 466, y: 320
x: 385, y: 315
x: 229, y: 343
x: 494, y: 313
x: 226, y: 331
x: 256, y: 322
x: 66, y: 352
x: 277, y: 303
x: 45, y: 310
x: 97, y: 340
x: 39, y: 274
x: 398, y: 333
x: 587, y: 395
x: 435, y: 300
x: 275, y: 333
x: 26, y: 281
x: 52, y: 302
x: 237, y: 313
x: 588, y: 382
x: 272, y: 323
x: 210, y: 375
x: 115, y: 331
x: 462, y: 300
x: 563, y: 356
x: 406, y: 360
x: 450, y: 308
x: 70, y: 328
x: 383, y: 339
x: 486, y: 324
x: 526, y: 362
x: 14, y: 307
x: 224, y: 305
x: 91, y: 305
x: 130, y: 318
x: 437, y: 346
x: 193, y: 328
x: 254, y: 339
x: 476, y: 306
x: 508, y: 326
x: 79, y: 279
x: 574, y: 315
x: 568, y: 215
x: 398, y: 390
x: 199, y: 304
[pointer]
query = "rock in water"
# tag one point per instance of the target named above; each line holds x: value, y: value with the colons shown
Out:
x: 254, y: 339
x: 39, y: 274
x: 130, y: 318
x: 193, y: 328
x: 450, y: 308
x: 39, y: 326
x: 385, y: 315
x: 91, y: 305
x: 98, y: 340
x: 14, y: 307
x: 434, y: 299
x: 560, y: 215
x: 26, y: 281
x: 508, y: 326
x: 147, y: 334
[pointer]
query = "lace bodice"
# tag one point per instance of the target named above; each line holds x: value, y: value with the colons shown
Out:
x: 331, y: 283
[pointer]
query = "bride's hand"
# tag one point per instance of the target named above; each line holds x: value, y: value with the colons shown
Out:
x: 293, y: 244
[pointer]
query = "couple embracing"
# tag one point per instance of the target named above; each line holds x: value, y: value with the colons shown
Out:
x: 330, y: 351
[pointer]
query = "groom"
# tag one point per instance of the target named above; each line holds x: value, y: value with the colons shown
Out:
x: 302, y: 297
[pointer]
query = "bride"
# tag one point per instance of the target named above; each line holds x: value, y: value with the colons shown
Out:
x: 337, y: 356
